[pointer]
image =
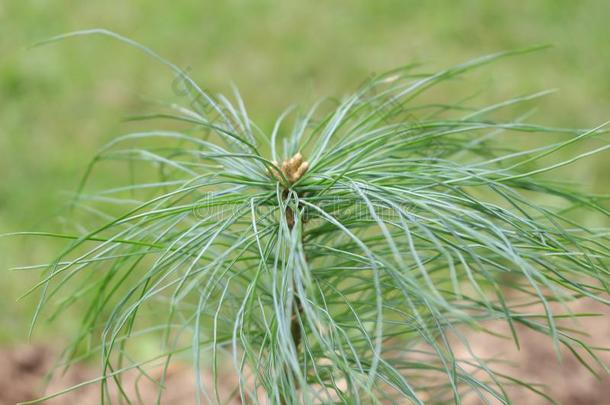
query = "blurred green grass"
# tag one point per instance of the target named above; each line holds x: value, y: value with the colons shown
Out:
x: 60, y: 103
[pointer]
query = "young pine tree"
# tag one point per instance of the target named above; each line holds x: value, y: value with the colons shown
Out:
x: 342, y: 257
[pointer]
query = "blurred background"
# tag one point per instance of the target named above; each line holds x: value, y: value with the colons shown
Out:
x: 61, y: 102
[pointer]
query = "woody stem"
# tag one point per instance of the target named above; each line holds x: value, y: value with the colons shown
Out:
x: 297, y: 307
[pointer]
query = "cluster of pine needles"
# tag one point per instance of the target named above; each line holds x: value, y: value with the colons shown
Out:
x: 393, y: 230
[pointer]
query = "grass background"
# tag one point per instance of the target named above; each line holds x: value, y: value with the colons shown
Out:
x: 60, y: 103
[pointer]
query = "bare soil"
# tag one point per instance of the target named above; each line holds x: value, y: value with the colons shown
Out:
x: 567, y: 381
x: 23, y: 369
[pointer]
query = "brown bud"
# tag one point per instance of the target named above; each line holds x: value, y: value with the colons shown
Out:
x: 293, y: 169
x: 301, y: 171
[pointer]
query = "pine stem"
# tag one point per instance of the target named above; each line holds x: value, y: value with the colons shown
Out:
x: 297, y: 307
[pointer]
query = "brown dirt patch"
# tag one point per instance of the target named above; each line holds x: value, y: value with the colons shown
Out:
x: 23, y: 370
